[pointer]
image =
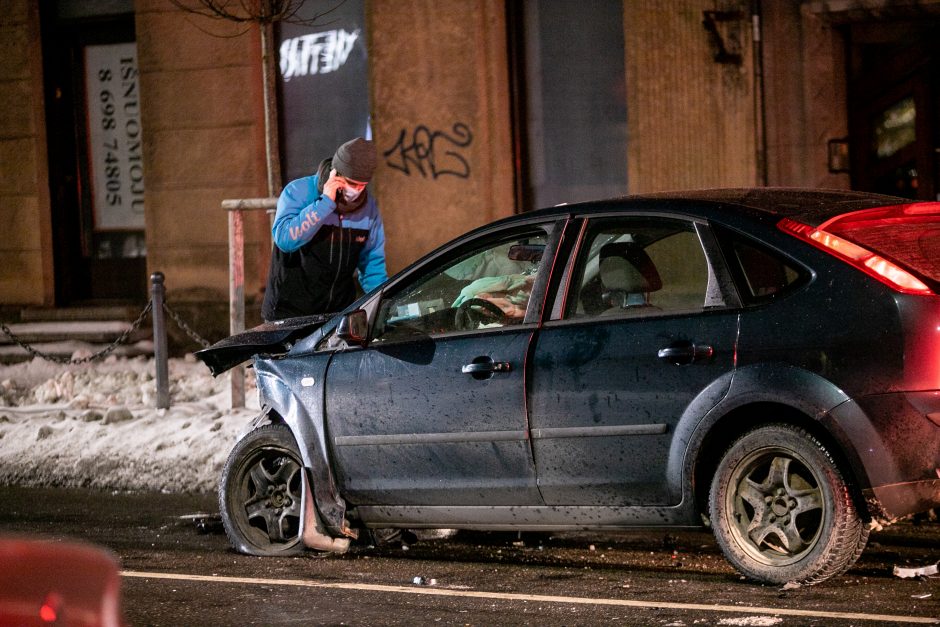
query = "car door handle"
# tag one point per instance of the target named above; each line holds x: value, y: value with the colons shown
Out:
x: 486, y: 367
x: 682, y: 353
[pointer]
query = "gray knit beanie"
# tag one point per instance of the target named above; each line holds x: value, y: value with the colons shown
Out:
x: 355, y: 160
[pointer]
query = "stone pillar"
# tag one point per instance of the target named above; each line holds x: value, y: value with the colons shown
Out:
x: 440, y: 97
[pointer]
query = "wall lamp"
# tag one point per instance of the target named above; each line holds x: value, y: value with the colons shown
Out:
x: 839, y: 155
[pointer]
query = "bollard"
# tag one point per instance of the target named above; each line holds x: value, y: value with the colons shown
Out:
x: 158, y: 295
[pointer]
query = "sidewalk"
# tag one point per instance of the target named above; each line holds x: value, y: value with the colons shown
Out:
x: 95, y: 425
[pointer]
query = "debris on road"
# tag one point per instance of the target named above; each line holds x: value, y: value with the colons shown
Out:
x: 205, y: 523
x: 752, y: 621
x: 911, y: 573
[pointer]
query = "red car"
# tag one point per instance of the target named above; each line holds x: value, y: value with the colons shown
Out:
x: 44, y: 582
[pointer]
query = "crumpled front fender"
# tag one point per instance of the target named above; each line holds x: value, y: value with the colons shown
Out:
x: 293, y: 389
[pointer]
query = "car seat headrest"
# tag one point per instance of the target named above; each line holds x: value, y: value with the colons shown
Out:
x: 625, y: 266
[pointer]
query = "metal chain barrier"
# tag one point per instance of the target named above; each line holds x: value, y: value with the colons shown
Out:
x: 122, y: 339
x: 81, y: 360
x: 157, y: 307
x: 198, y: 339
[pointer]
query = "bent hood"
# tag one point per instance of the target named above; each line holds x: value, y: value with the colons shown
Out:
x: 270, y: 338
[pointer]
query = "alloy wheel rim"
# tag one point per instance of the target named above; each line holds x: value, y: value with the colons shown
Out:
x: 775, y: 507
x: 270, y: 489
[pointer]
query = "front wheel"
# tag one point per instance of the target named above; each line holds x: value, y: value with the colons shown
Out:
x: 260, y: 493
x: 781, y: 510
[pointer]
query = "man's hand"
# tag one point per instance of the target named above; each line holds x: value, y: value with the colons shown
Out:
x: 333, y: 184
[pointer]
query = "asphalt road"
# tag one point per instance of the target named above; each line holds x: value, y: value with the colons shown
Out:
x: 175, y: 574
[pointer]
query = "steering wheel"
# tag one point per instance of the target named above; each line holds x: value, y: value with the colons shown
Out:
x: 475, y: 311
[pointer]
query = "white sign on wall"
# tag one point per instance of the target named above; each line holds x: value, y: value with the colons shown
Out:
x: 114, y: 136
x: 316, y: 53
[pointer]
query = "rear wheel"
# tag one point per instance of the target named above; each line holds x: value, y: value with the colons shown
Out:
x: 260, y: 493
x: 781, y: 510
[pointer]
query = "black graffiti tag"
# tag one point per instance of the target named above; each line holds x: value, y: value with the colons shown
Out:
x: 422, y: 151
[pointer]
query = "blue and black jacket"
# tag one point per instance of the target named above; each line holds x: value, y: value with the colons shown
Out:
x: 318, y: 247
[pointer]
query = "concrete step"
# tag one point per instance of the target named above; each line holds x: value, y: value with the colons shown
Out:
x: 72, y: 349
x: 92, y: 331
x: 69, y: 338
x: 92, y: 312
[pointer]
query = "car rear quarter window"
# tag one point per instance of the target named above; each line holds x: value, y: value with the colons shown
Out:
x: 761, y: 274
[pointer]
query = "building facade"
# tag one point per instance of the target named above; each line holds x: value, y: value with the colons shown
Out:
x: 126, y: 123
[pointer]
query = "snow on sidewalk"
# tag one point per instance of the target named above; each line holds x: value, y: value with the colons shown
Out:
x: 96, y: 425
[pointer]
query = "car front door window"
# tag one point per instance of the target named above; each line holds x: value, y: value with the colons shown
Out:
x: 486, y: 287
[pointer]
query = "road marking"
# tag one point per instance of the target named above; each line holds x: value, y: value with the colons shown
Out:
x: 302, y: 583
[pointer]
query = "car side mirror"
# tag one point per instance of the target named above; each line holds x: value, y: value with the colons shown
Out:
x: 354, y: 328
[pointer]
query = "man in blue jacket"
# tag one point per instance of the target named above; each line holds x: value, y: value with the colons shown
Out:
x: 326, y: 227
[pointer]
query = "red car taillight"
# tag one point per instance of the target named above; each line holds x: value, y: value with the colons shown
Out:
x: 910, y: 231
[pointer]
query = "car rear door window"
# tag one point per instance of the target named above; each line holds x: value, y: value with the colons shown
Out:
x: 639, y: 267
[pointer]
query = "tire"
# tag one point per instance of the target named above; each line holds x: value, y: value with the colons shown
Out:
x: 781, y: 511
x: 260, y: 493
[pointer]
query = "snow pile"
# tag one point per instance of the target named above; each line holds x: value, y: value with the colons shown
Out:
x: 96, y: 425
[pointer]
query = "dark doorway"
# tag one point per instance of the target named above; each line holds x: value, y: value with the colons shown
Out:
x: 894, y: 108
x: 569, y: 100
x: 94, y: 147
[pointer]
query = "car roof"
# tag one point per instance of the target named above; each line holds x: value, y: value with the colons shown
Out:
x: 810, y: 206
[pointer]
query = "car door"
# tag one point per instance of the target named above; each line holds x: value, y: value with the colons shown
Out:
x: 642, y: 335
x: 432, y: 410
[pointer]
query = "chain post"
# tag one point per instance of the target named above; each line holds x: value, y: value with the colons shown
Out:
x: 158, y: 296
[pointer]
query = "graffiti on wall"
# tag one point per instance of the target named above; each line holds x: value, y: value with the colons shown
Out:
x: 316, y: 53
x: 431, y: 153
